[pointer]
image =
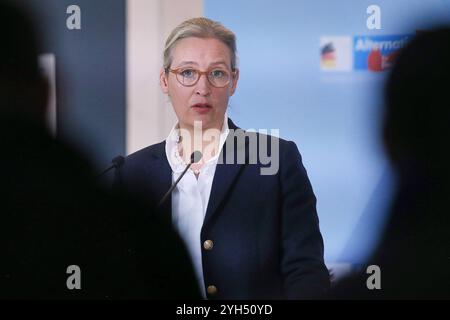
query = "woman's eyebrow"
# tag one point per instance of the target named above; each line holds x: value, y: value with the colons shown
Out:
x: 182, y: 63
x: 218, y: 62
x: 187, y: 62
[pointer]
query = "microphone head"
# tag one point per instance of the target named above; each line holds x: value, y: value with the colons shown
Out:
x: 196, y: 156
x: 118, y: 161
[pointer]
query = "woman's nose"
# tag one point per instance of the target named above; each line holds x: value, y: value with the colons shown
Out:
x: 203, y: 87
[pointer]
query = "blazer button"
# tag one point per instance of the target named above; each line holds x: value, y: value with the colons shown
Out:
x: 208, y: 244
x: 212, y: 290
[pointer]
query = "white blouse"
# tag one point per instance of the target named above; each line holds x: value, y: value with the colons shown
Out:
x: 190, y: 197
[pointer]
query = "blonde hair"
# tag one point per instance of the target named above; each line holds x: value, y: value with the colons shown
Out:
x: 200, y: 28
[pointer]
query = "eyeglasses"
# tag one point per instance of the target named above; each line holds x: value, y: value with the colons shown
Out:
x: 189, y: 77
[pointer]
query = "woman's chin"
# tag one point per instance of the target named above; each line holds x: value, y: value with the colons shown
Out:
x: 204, y: 120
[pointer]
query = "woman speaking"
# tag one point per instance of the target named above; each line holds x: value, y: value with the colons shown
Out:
x: 251, y: 232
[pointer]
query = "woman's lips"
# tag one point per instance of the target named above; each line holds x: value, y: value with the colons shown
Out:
x: 201, y: 107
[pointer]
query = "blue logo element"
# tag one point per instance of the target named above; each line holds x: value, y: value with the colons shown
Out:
x: 377, y: 53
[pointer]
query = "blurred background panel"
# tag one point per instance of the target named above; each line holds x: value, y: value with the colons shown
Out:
x: 89, y: 71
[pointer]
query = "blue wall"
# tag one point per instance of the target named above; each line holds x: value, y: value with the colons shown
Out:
x: 334, y: 117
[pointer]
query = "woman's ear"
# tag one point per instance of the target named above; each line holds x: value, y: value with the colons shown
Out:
x: 234, y: 81
x: 163, y: 81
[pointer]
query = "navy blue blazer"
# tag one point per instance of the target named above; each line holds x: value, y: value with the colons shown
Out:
x: 264, y: 228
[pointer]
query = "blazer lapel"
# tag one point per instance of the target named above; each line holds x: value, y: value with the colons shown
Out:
x: 225, y: 174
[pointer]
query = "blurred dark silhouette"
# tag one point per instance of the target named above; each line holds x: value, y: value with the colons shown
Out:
x: 53, y: 213
x: 414, y: 253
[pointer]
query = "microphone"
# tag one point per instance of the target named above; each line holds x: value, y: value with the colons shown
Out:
x: 117, y: 162
x: 195, y: 157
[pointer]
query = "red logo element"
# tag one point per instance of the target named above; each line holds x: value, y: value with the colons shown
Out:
x: 374, y: 61
x: 377, y: 62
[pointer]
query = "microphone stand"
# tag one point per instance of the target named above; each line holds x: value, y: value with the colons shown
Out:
x: 195, y: 157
